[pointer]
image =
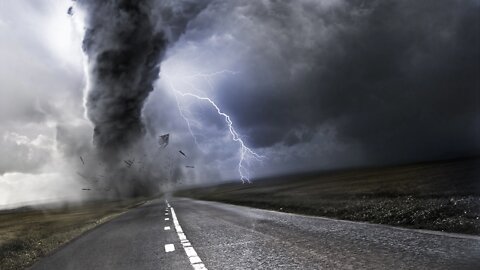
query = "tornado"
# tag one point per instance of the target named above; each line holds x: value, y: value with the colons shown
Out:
x: 124, y: 44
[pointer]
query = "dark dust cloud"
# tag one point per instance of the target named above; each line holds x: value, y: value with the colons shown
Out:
x: 125, y: 42
x: 124, y: 47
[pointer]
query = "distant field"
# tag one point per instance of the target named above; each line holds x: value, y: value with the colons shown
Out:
x: 27, y: 234
x: 443, y: 196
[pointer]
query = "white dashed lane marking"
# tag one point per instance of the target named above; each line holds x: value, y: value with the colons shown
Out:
x: 167, y: 228
x: 193, y: 257
x: 167, y: 218
x: 169, y: 248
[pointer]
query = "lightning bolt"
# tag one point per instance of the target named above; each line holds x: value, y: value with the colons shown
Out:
x: 244, y: 150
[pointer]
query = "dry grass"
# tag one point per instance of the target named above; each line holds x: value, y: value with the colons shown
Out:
x: 28, y: 234
x: 442, y: 196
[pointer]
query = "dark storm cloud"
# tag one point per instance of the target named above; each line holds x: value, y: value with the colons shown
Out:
x: 399, y: 79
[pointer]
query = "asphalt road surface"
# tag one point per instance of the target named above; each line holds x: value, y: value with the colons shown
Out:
x: 207, y: 235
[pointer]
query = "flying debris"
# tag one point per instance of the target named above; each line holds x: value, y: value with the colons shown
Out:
x: 70, y: 11
x: 181, y: 152
x: 129, y: 163
x: 83, y: 162
x: 86, y: 189
x: 163, y: 140
x: 190, y: 167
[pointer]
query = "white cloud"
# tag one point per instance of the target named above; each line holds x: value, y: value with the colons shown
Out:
x: 18, y: 189
x: 41, y: 84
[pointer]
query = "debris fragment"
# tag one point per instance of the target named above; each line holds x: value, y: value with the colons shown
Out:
x: 82, y: 160
x: 190, y: 167
x: 129, y: 163
x: 163, y: 140
x: 181, y: 152
x: 70, y: 11
x: 86, y: 189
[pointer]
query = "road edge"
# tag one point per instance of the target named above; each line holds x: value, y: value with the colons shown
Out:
x: 424, y: 231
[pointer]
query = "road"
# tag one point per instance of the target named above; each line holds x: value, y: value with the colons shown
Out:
x: 222, y: 236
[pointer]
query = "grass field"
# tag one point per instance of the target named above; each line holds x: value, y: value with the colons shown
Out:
x: 443, y: 196
x: 27, y: 234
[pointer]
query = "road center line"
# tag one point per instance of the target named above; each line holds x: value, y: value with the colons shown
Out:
x: 169, y: 248
x: 195, y: 260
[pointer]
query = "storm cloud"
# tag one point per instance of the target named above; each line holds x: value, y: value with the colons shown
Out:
x: 311, y: 85
x: 395, y: 81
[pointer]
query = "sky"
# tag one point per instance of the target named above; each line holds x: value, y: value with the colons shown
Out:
x: 308, y: 85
